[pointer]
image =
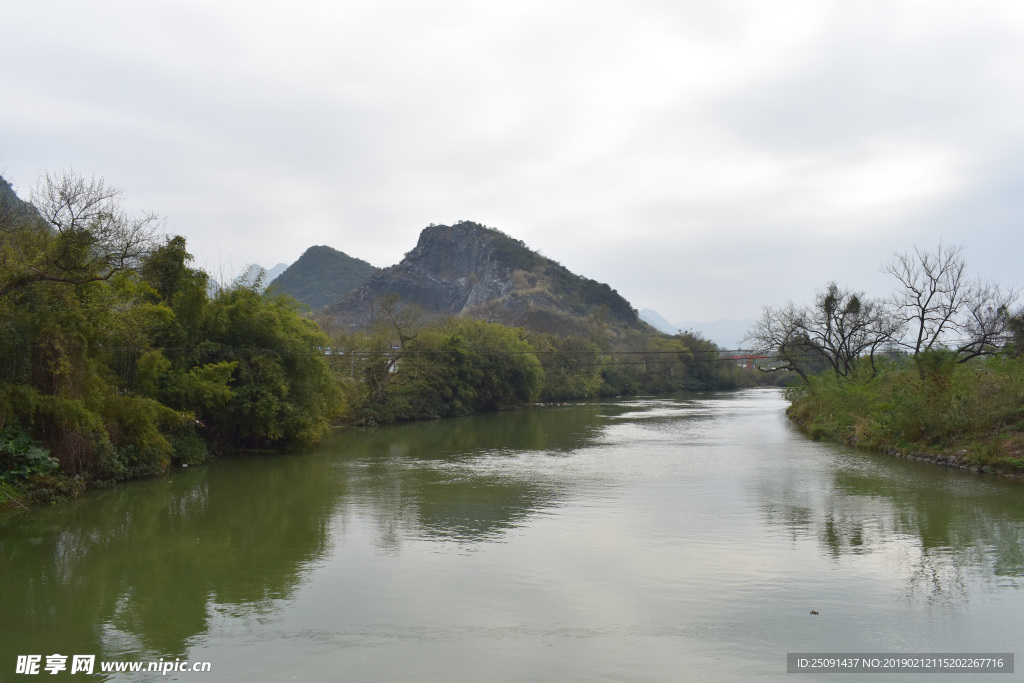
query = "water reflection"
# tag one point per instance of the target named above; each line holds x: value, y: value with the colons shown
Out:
x: 136, y: 568
x: 146, y: 567
x: 460, y: 480
x: 552, y: 429
x: 943, y: 529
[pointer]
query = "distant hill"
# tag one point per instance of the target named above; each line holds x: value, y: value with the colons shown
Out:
x: 254, y: 270
x: 273, y: 273
x: 321, y: 276
x: 655, y: 320
x: 470, y: 269
x: 12, y: 207
x: 726, y: 333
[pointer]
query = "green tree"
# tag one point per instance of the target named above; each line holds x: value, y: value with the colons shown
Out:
x: 572, y: 366
x: 450, y: 367
x: 1016, y: 326
x: 259, y: 376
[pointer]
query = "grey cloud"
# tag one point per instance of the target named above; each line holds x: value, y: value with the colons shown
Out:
x: 867, y: 78
x: 612, y: 136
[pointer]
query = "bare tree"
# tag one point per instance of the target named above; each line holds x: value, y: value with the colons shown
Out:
x: 839, y: 329
x: 846, y: 326
x: 943, y: 308
x: 398, y: 326
x: 82, y: 235
x: 938, y: 306
x: 935, y: 288
x: 779, y: 335
x: 985, y: 323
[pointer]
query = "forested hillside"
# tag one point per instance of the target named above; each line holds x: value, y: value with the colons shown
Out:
x: 321, y: 276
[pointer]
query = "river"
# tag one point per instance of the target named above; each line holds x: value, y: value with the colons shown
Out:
x: 647, y: 539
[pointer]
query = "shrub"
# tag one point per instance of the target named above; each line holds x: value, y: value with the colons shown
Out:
x: 22, y: 457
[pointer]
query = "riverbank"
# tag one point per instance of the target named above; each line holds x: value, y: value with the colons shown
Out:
x: 964, y: 415
x: 961, y: 459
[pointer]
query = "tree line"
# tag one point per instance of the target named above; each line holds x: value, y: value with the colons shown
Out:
x: 408, y: 367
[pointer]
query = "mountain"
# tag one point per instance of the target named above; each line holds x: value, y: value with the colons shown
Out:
x: 273, y: 273
x: 254, y: 271
x: 321, y: 276
x: 654, y: 319
x: 469, y: 269
x: 12, y: 207
x: 726, y: 333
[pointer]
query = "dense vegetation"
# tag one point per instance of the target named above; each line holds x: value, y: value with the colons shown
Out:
x: 936, y: 368
x: 934, y: 405
x: 321, y: 276
x: 119, y: 359
x: 403, y: 368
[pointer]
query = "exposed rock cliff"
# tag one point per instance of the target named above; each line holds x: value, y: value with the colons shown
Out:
x: 469, y: 269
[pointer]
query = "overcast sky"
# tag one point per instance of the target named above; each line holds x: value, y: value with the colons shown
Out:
x: 703, y: 158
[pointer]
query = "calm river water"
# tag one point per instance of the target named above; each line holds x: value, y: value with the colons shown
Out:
x: 659, y: 539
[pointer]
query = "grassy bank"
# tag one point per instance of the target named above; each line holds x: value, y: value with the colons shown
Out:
x: 967, y: 413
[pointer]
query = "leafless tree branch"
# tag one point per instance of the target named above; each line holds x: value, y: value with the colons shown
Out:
x: 934, y: 289
x: 82, y: 234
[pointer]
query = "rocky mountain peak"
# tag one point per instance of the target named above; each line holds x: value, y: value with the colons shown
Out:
x: 470, y: 269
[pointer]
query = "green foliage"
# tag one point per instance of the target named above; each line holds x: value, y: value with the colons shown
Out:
x: 707, y: 369
x: 166, y: 268
x: 617, y: 382
x: 514, y: 253
x: 321, y: 276
x: 572, y: 366
x: 461, y: 366
x: 251, y: 370
x: 453, y: 367
x: 141, y: 423
x: 1016, y: 327
x: 22, y: 457
x: 189, y: 448
x: 664, y: 363
x: 932, y: 402
x: 281, y: 389
x: 466, y: 366
x: 124, y: 365
x: 585, y: 295
x: 510, y: 373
